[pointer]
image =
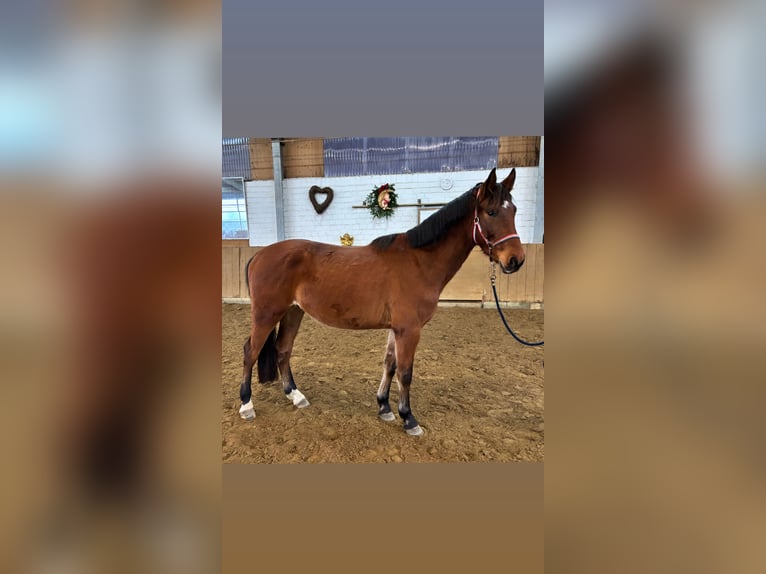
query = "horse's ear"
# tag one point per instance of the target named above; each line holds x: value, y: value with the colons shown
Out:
x: 508, y: 181
x: 489, y: 185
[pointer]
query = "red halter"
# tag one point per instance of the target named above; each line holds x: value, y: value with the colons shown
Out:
x: 477, y: 227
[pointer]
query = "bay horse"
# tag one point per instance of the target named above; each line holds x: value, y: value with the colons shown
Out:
x: 393, y: 283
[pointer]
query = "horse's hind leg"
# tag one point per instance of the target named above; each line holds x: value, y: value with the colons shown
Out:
x: 246, y: 411
x: 288, y: 329
x: 389, y: 369
x: 253, y: 345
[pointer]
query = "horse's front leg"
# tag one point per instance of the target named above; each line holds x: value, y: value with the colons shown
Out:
x: 406, y: 342
x: 389, y: 370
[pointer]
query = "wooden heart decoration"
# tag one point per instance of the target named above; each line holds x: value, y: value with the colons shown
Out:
x: 327, y: 191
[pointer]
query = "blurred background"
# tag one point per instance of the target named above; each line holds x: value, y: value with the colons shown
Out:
x: 655, y: 311
x: 109, y: 208
x: 109, y: 199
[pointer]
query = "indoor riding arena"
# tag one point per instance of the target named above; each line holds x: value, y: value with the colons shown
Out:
x: 478, y: 394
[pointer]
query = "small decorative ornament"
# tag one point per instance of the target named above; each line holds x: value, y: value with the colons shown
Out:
x: 381, y: 201
x: 326, y: 191
x: 347, y: 239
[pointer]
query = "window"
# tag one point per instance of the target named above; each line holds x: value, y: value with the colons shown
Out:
x: 380, y: 156
x: 233, y: 209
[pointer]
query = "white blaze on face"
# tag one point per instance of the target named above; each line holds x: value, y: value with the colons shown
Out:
x: 506, y: 204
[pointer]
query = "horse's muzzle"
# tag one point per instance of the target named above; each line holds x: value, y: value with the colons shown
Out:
x: 513, y: 266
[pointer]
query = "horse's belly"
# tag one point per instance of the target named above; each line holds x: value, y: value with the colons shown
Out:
x: 346, y: 313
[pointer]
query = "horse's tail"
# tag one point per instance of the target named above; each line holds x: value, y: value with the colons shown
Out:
x: 247, y: 273
x: 267, y: 359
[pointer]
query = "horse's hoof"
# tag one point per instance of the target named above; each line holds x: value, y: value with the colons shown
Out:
x: 388, y: 417
x: 414, y: 431
x: 247, y: 411
x: 298, y: 399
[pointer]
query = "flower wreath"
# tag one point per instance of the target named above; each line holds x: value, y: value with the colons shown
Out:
x: 381, y: 201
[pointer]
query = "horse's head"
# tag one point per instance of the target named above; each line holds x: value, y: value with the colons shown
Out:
x: 494, y: 227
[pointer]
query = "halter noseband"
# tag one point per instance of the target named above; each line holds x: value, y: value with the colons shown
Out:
x: 477, y: 227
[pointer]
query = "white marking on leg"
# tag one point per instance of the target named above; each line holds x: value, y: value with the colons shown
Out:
x: 385, y: 383
x: 298, y: 399
x: 247, y: 411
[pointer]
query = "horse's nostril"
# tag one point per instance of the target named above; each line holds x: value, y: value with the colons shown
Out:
x: 513, y: 264
x: 522, y: 262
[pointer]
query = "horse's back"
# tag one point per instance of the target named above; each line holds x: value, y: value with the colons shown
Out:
x: 292, y: 254
x: 342, y: 286
x: 295, y: 261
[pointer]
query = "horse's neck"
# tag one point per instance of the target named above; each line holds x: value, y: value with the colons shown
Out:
x: 451, y: 252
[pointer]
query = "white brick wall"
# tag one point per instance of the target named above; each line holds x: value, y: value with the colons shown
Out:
x: 261, y: 212
x: 301, y: 221
x: 539, y: 229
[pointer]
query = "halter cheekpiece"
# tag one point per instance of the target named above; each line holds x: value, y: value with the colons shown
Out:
x: 477, y: 227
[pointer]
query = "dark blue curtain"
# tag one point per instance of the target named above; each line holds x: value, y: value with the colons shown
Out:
x: 236, y: 158
x: 379, y: 156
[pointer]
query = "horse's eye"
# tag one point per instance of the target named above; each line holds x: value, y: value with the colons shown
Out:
x: 492, y: 213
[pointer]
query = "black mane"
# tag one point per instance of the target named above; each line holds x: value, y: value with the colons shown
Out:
x: 433, y: 228
x: 384, y: 241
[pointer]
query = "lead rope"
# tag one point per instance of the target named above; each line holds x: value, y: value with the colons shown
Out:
x: 492, y: 279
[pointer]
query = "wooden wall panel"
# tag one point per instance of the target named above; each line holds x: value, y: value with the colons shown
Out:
x: 303, y: 157
x: 518, y: 151
x: 229, y: 271
x: 519, y: 287
x: 261, y: 162
x: 471, y: 283
x: 300, y: 158
x: 530, y: 271
x: 537, y: 295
